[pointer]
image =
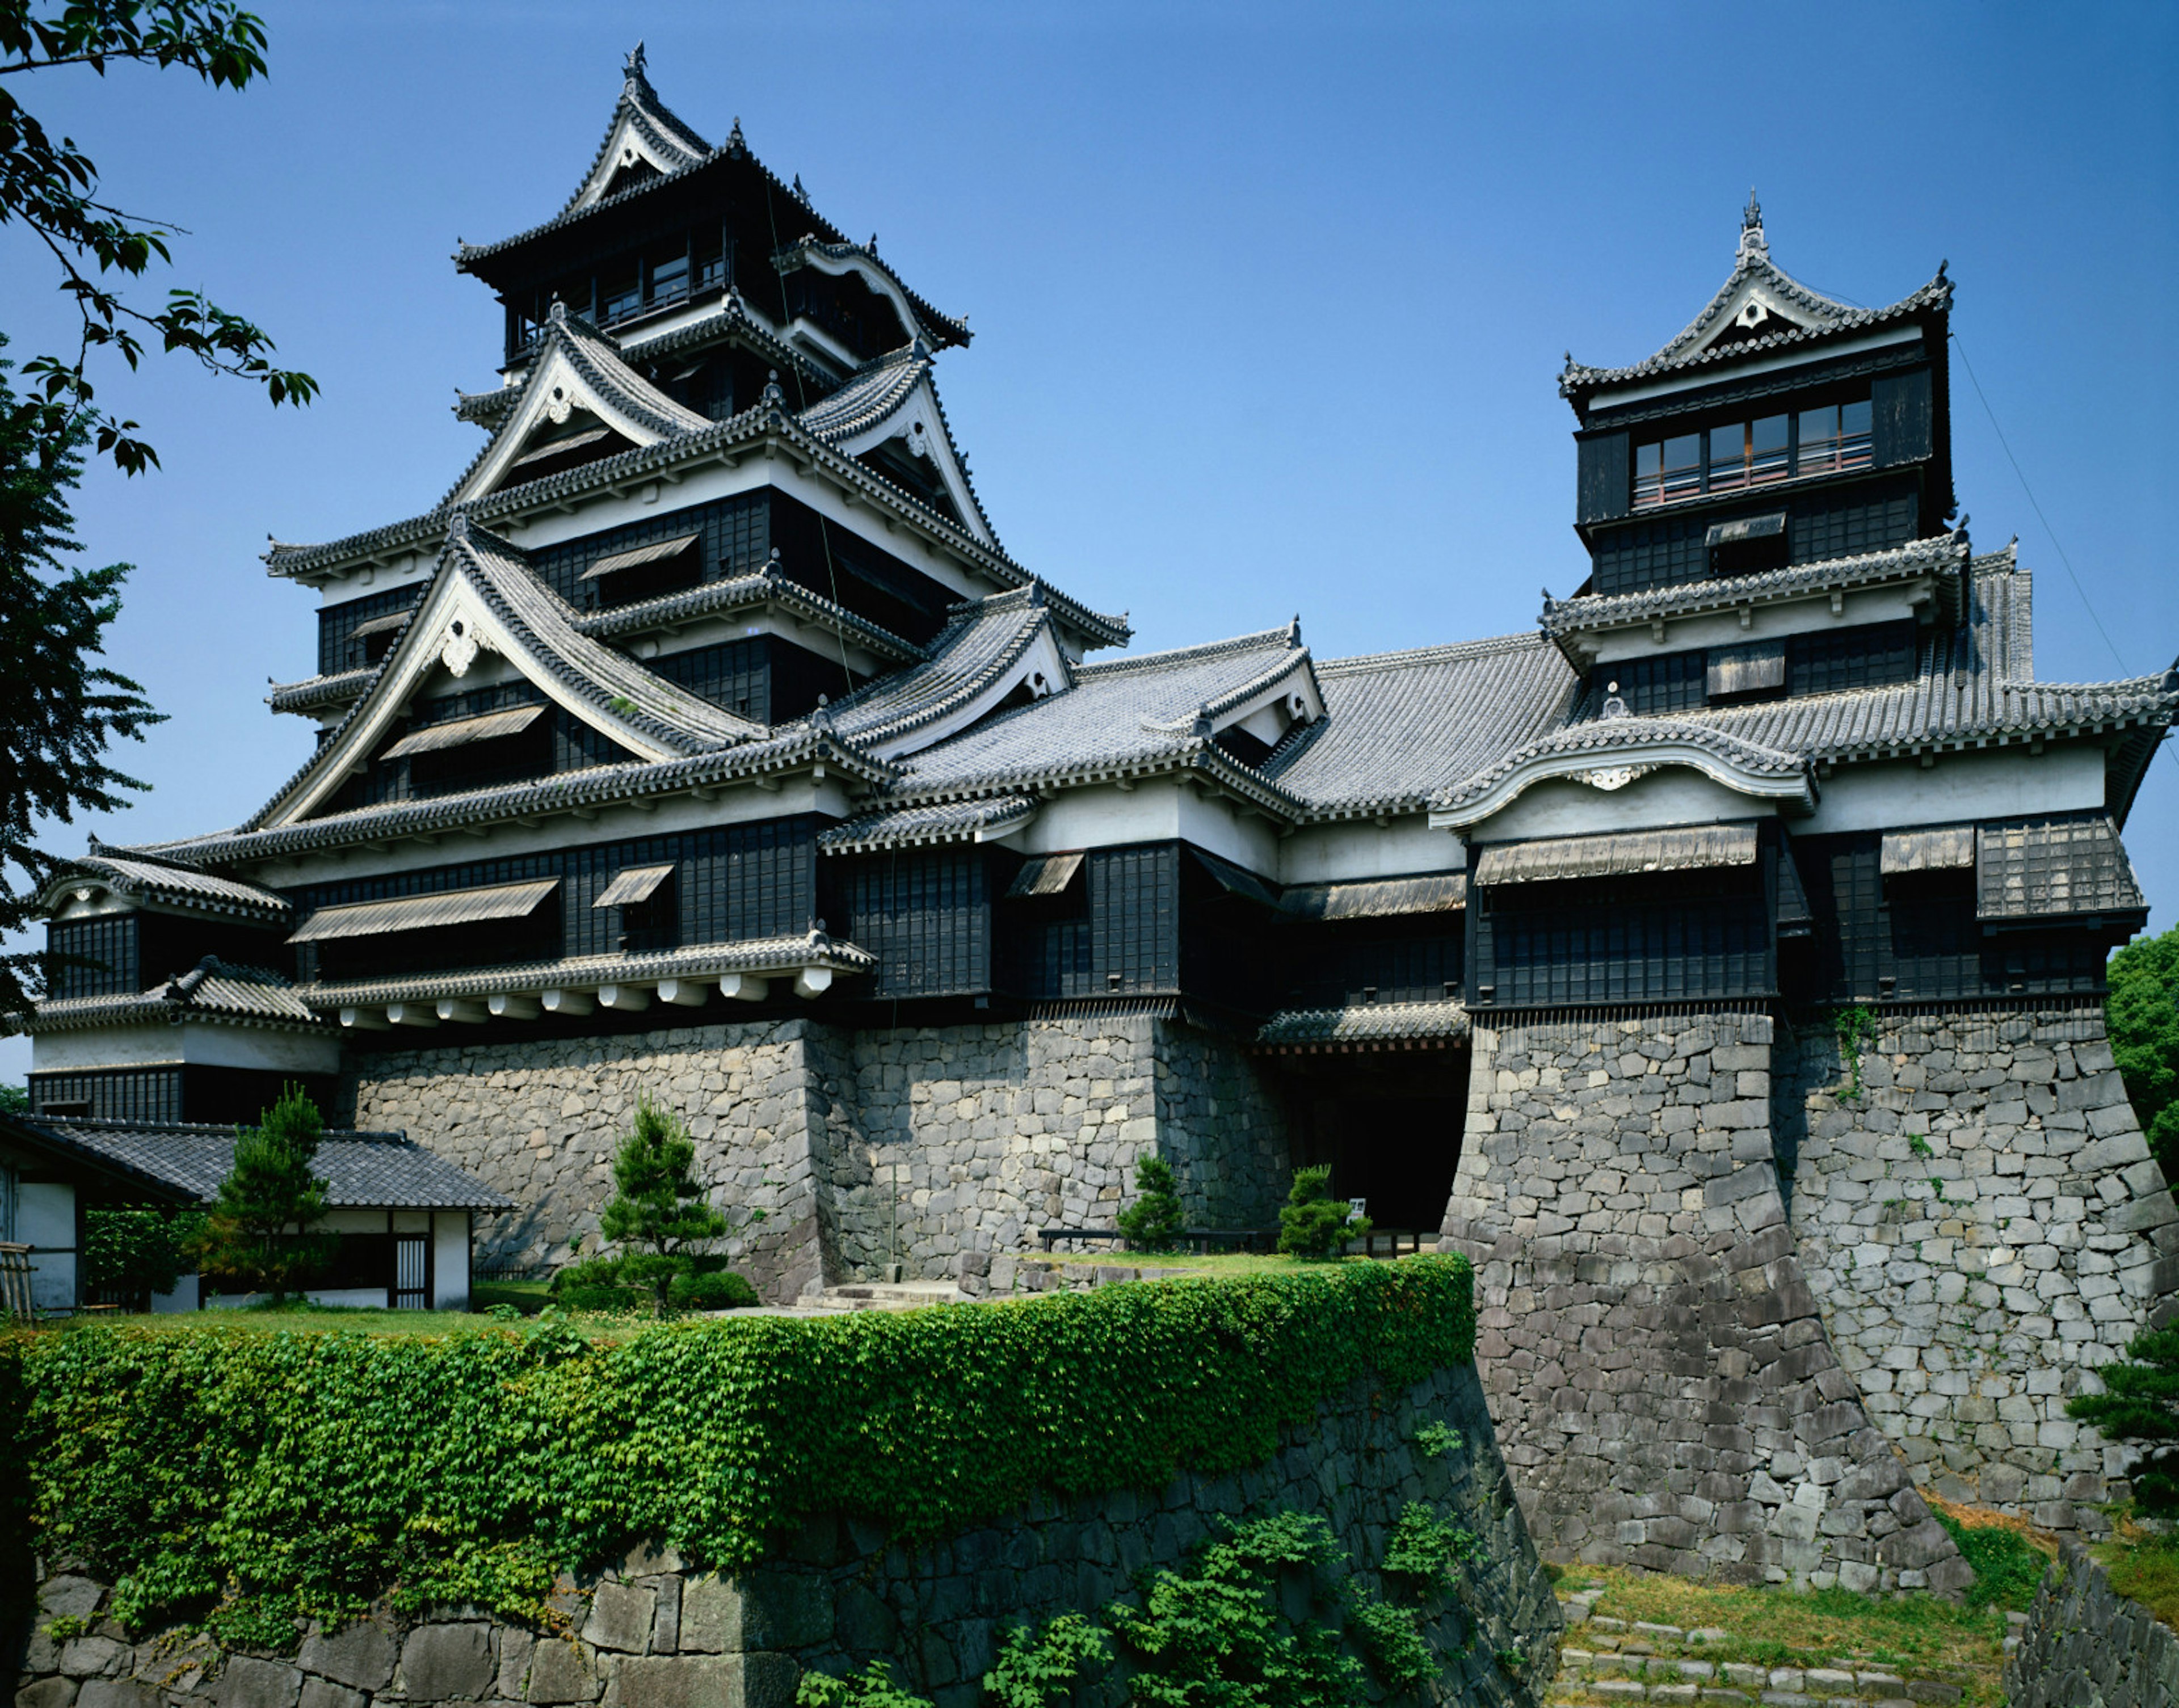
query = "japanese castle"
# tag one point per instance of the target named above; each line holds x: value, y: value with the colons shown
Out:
x: 704, y: 740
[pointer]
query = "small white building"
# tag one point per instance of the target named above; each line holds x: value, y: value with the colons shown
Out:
x: 404, y: 1215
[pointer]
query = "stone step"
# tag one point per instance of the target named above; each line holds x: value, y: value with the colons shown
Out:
x: 885, y: 1296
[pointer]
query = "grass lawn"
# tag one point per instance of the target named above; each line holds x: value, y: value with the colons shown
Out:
x: 2144, y: 1567
x: 1920, y: 1634
x: 527, y: 1297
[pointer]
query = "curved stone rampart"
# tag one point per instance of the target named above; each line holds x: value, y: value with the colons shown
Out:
x: 1663, y: 1386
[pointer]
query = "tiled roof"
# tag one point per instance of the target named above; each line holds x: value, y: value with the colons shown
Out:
x: 1399, y: 726
x: 597, y: 361
x: 322, y: 693
x: 1693, y: 347
x: 1363, y: 1025
x: 211, y: 990
x: 768, y: 420
x: 677, y: 143
x: 943, y: 329
x: 870, y: 394
x: 362, y: 1171
x: 594, y: 785
x: 1121, y: 716
x: 175, y: 884
x: 586, y: 972
x: 1967, y: 688
x: 1946, y: 555
x: 677, y: 721
x: 743, y: 593
x: 911, y: 826
x: 981, y: 642
x: 1608, y: 738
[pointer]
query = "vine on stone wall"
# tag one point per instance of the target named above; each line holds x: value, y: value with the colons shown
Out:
x: 233, y: 1474
x: 1855, y: 1027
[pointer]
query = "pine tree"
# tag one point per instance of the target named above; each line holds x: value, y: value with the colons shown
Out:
x: 2140, y: 1406
x: 259, y: 1229
x: 1312, y: 1222
x: 658, y: 1203
x: 1154, y: 1221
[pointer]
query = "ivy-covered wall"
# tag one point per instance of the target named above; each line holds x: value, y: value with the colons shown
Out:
x: 231, y: 1518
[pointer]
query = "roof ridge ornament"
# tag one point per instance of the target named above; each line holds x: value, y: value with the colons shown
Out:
x: 632, y: 70
x: 736, y: 144
x: 1753, y: 245
x: 773, y: 398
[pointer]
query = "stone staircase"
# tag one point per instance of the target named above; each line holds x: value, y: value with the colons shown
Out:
x: 1614, y: 1660
x: 883, y: 1295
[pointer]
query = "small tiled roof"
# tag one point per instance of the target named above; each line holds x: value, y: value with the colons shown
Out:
x: 1399, y: 726
x: 1120, y: 716
x: 911, y: 826
x: 170, y: 882
x: 362, y: 1171
x: 212, y: 991
x: 814, y: 948
x: 1609, y: 737
x: 596, y: 360
x: 1695, y: 346
x: 870, y: 395
x: 325, y: 693
x: 1363, y: 1025
x: 981, y: 643
x: 1377, y: 898
x: 1946, y: 556
x: 743, y: 593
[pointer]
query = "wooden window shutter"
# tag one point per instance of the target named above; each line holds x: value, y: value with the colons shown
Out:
x: 1900, y: 427
x: 1604, y: 476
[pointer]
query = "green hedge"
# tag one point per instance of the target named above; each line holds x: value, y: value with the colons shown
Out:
x: 268, y: 1473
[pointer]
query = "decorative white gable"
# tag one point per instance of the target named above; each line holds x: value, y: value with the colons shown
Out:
x: 920, y: 429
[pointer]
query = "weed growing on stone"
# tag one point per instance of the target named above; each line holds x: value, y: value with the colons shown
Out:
x: 1855, y: 1028
x: 1436, y: 1440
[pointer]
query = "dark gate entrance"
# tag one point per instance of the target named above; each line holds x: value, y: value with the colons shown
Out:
x: 412, y: 1272
x: 1388, y: 1122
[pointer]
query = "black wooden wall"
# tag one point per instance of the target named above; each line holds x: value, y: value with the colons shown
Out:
x: 1915, y: 938
x: 1668, y: 548
x: 1665, y: 938
x: 734, y: 883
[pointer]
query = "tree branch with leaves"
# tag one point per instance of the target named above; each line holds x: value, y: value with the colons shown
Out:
x: 50, y: 186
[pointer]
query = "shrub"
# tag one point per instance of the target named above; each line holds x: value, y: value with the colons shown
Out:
x: 308, y: 1471
x: 139, y: 1250
x: 2143, y: 1011
x: 1154, y: 1221
x: 716, y: 1289
x: 2007, y: 1567
x: 1312, y: 1222
x: 658, y: 1210
x: 270, y: 1190
x: 2141, y: 1405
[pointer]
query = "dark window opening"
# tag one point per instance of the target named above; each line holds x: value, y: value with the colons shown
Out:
x: 652, y: 579
x: 1734, y: 456
x: 480, y: 764
x: 441, y: 948
x: 1238, y: 743
x: 654, y: 922
x: 1872, y: 655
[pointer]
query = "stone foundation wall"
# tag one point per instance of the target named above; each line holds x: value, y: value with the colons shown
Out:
x: 2087, y: 1646
x: 1659, y: 1373
x: 839, y: 1594
x: 540, y: 1121
x: 917, y: 1145
x: 1982, y: 1226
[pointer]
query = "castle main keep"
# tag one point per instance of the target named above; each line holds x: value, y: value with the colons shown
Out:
x: 1720, y: 963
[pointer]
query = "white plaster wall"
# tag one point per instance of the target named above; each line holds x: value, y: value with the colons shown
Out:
x: 1886, y: 604
x: 1158, y: 810
x: 45, y: 1219
x: 1360, y: 849
x: 1559, y: 806
x: 450, y: 1260
x: 210, y: 1044
x: 1990, y: 783
x: 186, y: 1296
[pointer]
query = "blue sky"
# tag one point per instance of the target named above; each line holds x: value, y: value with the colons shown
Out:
x: 1269, y: 300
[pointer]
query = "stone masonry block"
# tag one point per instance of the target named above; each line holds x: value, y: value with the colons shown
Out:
x: 446, y: 1663
x: 359, y: 1655
x: 247, y: 1682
